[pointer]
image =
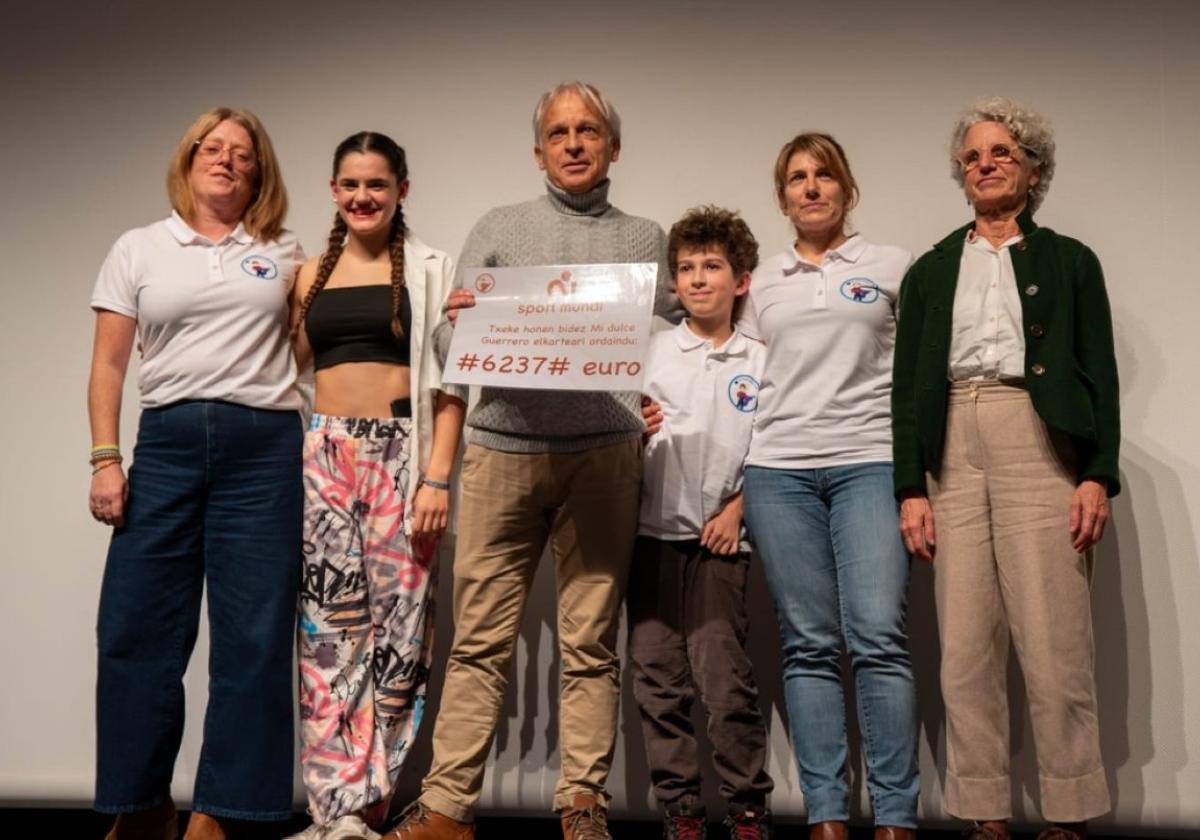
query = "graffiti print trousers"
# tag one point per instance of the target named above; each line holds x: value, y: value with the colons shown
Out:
x: 366, y: 616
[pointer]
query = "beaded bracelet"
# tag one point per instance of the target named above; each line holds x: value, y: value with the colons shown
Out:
x: 105, y: 457
x: 104, y: 464
x: 436, y: 485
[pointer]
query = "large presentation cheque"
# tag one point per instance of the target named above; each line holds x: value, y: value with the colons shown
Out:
x: 575, y: 327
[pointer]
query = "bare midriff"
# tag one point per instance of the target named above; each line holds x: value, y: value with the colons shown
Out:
x: 362, y: 389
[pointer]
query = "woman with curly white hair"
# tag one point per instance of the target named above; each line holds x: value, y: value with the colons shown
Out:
x: 1006, y: 427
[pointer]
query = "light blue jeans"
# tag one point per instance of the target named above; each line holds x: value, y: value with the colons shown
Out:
x: 837, y: 570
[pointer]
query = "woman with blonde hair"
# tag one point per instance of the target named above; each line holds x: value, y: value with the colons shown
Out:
x: 213, y: 498
x: 818, y: 491
x: 378, y: 459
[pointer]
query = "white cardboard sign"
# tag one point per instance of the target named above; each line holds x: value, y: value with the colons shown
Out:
x: 570, y: 327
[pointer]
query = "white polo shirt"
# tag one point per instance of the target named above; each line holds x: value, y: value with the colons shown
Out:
x: 830, y: 330
x: 986, y: 338
x: 211, y: 316
x: 693, y: 464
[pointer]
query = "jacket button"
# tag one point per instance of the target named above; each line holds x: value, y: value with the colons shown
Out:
x: 1037, y: 331
x: 1022, y: 245
x: 1038, y: 369
x: 1032, y: 289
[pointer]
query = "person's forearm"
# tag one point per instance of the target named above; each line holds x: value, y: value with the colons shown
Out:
x: 110, y: 359
x: 448, y: 415
x: 104, y: 402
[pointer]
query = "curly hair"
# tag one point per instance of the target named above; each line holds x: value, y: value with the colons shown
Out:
x: 365, y: 142
x: 711, y: 226
x: 1029, y: 128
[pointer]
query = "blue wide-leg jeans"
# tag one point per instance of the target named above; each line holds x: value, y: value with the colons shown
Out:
x: 838, y: 572
x: 215, y: 500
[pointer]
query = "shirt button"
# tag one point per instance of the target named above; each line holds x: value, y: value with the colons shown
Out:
x: 1031, y: 289
x: 1038, y: 369
x: 1037, y: 331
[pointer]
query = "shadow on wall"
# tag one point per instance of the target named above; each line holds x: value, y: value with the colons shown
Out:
x: 1130, y: 684
x: 527, y: 737
x: 1126, y: 686
x: 527, y: 733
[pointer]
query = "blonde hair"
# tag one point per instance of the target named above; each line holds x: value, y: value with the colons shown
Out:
x: 1030, y: 129
x: 829, y: 153
x: 263, y: 216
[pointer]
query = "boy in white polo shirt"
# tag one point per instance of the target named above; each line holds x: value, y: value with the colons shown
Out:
x: 686, y: 595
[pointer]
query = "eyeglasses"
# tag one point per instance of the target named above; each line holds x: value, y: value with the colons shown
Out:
x: 210, y: 150
x: 999, y: 153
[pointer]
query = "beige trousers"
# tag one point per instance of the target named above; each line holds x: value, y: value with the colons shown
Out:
x: 585, y: 504
x: 1005, y: 566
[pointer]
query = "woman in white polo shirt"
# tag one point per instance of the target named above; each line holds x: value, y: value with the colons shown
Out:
x: 213, y: 498
x: 818, y: 491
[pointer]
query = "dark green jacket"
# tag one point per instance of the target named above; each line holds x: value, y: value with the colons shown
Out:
x: 1070, y: 369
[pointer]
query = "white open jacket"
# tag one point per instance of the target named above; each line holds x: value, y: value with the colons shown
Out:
x: 428, y: 274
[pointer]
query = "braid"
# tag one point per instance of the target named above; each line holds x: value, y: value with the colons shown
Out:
x: 333, y: 251
x: 397, y: 253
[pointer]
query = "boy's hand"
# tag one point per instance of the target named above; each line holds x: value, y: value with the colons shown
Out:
x: 652, y: 416
x: 722, y: 534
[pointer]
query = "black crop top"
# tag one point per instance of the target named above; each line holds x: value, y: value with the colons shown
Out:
x: 354, y: 324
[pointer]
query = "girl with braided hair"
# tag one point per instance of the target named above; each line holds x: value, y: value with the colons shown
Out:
x: 378, y: 457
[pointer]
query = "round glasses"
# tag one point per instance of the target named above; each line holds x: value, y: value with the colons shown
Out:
x: 210, y: 151
x: 1000, y: 154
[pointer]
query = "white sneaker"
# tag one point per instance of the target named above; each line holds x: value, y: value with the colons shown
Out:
x: 349, y: 827
x: 313, y: 832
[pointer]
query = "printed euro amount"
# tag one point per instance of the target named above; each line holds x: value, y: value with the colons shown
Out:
x: 543, y: 365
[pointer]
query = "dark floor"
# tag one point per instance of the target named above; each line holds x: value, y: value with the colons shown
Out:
x: 79, y: 824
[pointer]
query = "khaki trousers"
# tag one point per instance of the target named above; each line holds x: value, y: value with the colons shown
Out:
x: 585, y: 504
x: 1004, y: 566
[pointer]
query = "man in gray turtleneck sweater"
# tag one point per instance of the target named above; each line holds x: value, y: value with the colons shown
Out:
x: 544, y: 467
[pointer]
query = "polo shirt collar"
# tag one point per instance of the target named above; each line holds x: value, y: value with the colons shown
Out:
x: 184, y: 234
x: 849, y: 251
x: 735, y: 345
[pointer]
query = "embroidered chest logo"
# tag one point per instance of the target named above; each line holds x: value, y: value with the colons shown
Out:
x: 262, y: 267
x: 860, y: 290
x: 743, y: 393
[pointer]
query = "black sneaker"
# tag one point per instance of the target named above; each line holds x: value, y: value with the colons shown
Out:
x: 684, y: 823
x: 749, y: 823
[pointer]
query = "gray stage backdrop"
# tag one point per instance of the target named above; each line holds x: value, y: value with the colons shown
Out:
x: 95, y: 95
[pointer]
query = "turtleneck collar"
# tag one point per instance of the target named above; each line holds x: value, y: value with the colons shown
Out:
x: 594, y: 202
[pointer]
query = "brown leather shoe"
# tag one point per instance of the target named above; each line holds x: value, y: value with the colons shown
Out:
x: 989, y: 830
x: 419, y: 823
x: 160, y: 821
x: 829, y: 830
x: 585, y: 819
x: 1074, y: 831
x: 894, y: 832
